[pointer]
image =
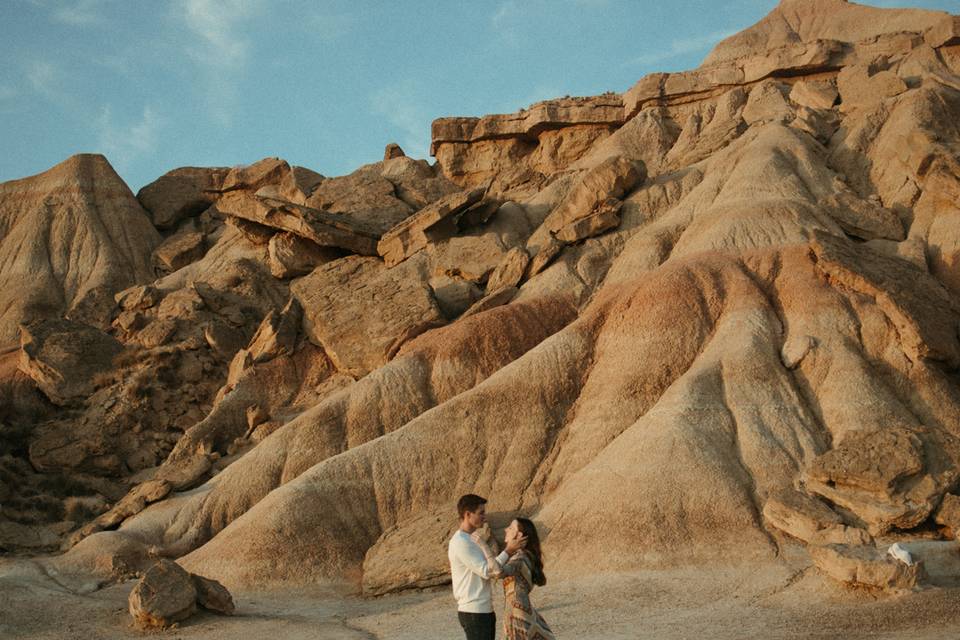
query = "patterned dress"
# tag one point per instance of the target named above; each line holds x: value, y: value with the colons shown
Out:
x: 521, y: 620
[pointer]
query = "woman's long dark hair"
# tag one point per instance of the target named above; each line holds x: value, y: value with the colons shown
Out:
x: 528, y: 529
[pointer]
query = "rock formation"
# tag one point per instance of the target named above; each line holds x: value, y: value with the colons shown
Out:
x: 723, y: 307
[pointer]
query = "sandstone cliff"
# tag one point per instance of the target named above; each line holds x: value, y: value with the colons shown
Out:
x: 721, y: 309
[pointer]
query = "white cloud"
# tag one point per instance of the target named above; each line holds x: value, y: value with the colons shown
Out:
x: 43, y: 76
x: 330, y: 26
x: 220, y: 50
x: 123, y: 143
x: 507, y: 19
x: 682, y: 46
x: 216, y: 23
x: 79, y: 13
x: 401, y: 105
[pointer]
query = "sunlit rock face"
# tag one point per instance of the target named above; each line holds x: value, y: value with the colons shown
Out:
x: 718, y: 310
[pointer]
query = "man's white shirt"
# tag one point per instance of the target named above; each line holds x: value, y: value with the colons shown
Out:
x: 471, y: 578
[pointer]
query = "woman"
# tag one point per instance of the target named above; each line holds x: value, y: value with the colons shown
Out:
x: 522, y: 571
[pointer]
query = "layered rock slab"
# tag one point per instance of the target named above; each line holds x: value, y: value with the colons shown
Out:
x: 434, y: 221
x: 356, y: 309
x: 322, y: 228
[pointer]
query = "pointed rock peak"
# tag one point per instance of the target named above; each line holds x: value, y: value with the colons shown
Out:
x: 805, y: 21
x: 83, y: 171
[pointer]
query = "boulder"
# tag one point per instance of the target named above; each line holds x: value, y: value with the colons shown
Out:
x: 509, y: 271
x: 392, y: 151
x: 223, y: 339
x: 292, y: 256
x: 822, y: 125
x: 588, y: 208
x: 454, y: 294
x: 276, y: 176
x: 65, y: 357
x: 865, y: 566
x: 157, y: 333
x: 875, y: 462
x: 179, y: 250
x: 859, y: 89
x: 948, y: 515
x: 277, y: 334
x: 139, y: 298
x: 814, y: 94
x: 164, y: 596
x: 470, y: 257
x: 181, y: 193
x: 434, y: 222
x: 256, y: 233
x: 365, y: 197
x: 945, y: 33
x: 491, y: 300
x: 603, y: 217
x: 212, y: 595
x: 415, y: 182
x: 323, y: 228
x: 882, y: 478
x: 768, y: 103
x: 809, y: 519
x: 546, y: 253
x: 355, y: 308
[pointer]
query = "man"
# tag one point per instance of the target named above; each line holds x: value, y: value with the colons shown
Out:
x: 471, y: 573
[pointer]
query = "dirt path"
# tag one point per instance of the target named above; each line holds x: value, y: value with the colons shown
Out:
x: 770, y: 601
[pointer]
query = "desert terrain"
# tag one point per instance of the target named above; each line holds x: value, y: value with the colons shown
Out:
x: 705, y: 333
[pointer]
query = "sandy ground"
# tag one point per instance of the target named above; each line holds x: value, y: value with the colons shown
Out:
x: 768, y: 601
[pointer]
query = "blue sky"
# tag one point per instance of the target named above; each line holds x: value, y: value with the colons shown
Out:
x: 156, y: 85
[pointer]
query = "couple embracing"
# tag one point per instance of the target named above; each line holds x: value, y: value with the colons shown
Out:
x: 473, y: 567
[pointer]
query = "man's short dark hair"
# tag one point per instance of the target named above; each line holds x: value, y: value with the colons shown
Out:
x: 470, y: 502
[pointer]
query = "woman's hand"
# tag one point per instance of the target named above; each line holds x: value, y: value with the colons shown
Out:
x: 515, y: 543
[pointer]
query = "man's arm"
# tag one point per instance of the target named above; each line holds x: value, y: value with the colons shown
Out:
x: 473, y: 558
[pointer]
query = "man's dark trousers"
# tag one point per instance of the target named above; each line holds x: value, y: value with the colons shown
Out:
x: 478, y: 626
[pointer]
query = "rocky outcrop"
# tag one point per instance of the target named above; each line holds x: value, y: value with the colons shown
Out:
x: 64, y: 358
x: 866, y: 566
x: 321, y: 228
x: 593, y: 204
x: 70, y: 238
x: 355, y: 309
x: 750, y: 343
x: 525, y: 146
x: 292, y: 256
x: 810, y: 520
x: 178, y: 251
x: 181, y: 193
x: 433, y: 222
x: 883, y: 478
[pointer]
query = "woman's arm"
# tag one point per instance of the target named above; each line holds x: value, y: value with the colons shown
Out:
x: 495, y: 564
